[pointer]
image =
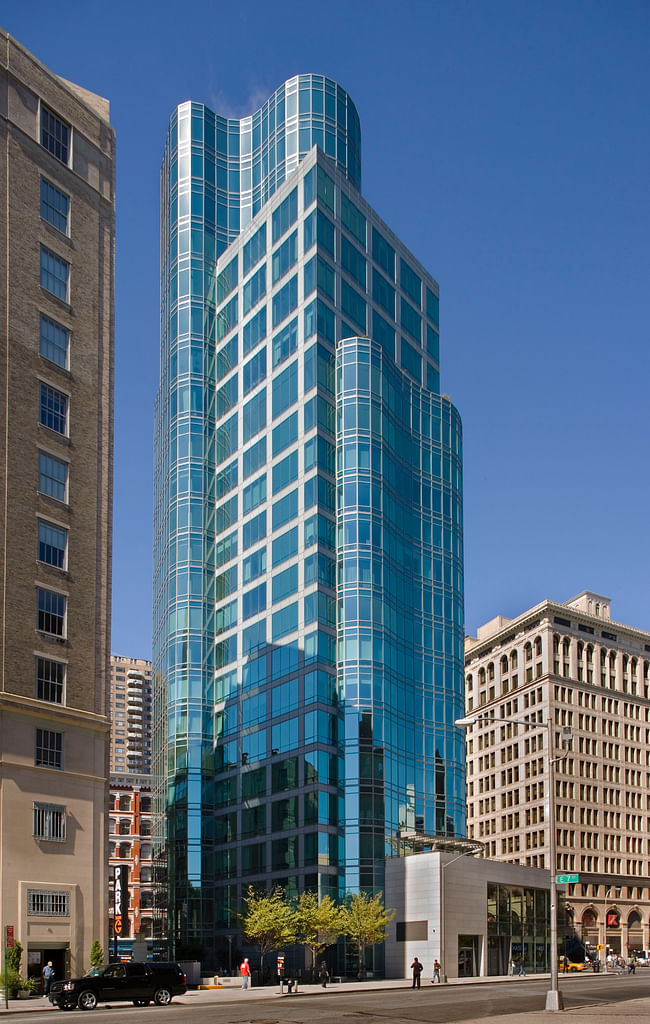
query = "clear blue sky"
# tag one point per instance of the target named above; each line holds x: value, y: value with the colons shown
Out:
x: 507, y: 144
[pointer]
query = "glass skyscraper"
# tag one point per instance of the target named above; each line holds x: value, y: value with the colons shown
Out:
x: 308, y: 564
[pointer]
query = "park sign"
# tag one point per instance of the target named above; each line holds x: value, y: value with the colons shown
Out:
x: 567, y: 879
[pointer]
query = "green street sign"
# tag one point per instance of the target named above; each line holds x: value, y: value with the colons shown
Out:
x: 564, y: 879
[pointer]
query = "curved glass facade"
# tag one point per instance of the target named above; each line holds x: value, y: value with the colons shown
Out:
x: 281, y: 758
x: 400, y: 608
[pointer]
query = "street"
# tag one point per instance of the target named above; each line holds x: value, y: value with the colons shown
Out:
x: 372, y: 1004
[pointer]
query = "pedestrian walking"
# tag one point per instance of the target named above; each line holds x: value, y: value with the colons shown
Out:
x: 48, y: 974
x: 522, y: 967
x: 323, y: 974
x: 513, y: 966
x: 245, y: 971
x: 436, y: 972
x: 416, y: 968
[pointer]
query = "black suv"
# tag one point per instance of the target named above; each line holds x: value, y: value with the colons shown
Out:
x: 139, y: 983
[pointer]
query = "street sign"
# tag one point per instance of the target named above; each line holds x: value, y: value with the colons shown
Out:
x: 565, y: 879
x: 10, y: 937
x: 117, y: 925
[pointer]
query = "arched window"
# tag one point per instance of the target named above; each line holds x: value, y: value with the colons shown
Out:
x: 513, y: 660
x: 481, y: 677
x: 538, y: 646
x: 469, y: 681
x: 589, y: 918
x: 490, y: 670
x: 124, y: 851
x: 528, y: 651
x: 125, y: 802
x: 504, y: 665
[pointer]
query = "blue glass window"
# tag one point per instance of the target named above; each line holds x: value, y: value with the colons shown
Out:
x: 319, y: 318
x: 383, y: 333
x: 53, y: 409
x: 353, y: 305
x: 52, y: 544
x: 412, y: 360
x: 285, y: 472
x: 285, y: 389
x: 254, y: 249
x: 353, y: 262
x: 226, y: 515
x: 52, y: 477
x: 255, y: 330
x: 254, y: 289
x: 254, y: 371
x: 254, y: 566
x: 55, y: 206
x: 285, y: 621
x: 285, y: 343
x: 285, y: 301
x: 227, y: 318
x: 309, y: 185
x: 284, y: 698
x: 254, y: 416
x: 383, y: 293
x: 254, y: 637
x: 285, y: 433
x: 284, y: 736
x: 433, y: 379
x: 226, y: 439
x: 253, y: 710
x: 411, y: 320
x: 254, y: 494
x: 353, y: 219
x: 285, y: 509
x: 411, y: 283
x: 433, y: 307
x: 227, y: 358
x: 226, y: 583
x: 433, y: 343
x: 227, y: 281
x: 54, y: 342
x: 325, y: 188
x: 55, y: 274
x: 225, y: 618
x: 253, y: 601
x: 285, y: 257
x: 254, y: 457
x: 254, y: 531
x: 285, y: 546
x: 285, y: 583
x: 227, y: 479
x: 319, y: 228
x: 227, y: 397
x: 226, y: 549
x: 285, y: 215
x: 383, y: 254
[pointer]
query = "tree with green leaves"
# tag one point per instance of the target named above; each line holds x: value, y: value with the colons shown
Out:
x: 96, y: 954
x: 268, y: 921
x: 365, y: 921
x: 318, y: 925
x: 14, y: 956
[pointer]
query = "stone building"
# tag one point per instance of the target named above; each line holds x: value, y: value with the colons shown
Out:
x: 570, y: 663
x: 57, y: 223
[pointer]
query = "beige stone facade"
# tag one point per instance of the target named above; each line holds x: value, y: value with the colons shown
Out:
x: 57, y: 224
x: 131, y: 708
x: 572, y: 663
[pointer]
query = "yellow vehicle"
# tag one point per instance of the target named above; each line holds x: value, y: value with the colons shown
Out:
x: 571, y: 965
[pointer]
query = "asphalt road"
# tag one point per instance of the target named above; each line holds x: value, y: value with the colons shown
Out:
x: 438, y: 1004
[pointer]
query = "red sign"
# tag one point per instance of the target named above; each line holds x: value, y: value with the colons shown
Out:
x: 117, y: 925
x: 613, y: 919
x: 10, y: 936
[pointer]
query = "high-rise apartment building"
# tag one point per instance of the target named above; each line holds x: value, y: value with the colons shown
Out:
x: 57, y: 223
x: 308, y: 622
x: 570, y: 664
x: 131, y: 710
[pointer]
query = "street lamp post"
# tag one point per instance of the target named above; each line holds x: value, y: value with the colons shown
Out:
x: 553, y: 996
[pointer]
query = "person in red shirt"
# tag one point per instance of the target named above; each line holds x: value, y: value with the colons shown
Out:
x: 245, y: 971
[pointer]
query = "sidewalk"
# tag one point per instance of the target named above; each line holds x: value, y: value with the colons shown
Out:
x: 597, y: 1013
